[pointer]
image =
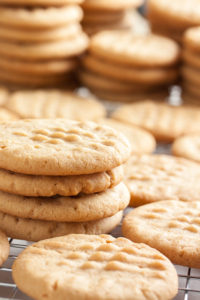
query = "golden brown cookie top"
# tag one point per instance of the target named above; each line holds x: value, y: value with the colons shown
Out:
x: 54, y: 104
x: 152, y: 178
x: 60, y: 147
x: 172, y: 227
x: 94, y: 267
x: 133, y: 50
x: 165, y: 122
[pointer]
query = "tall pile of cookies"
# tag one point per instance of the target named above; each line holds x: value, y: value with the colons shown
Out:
x: 122, y: 66
x: 40, y: 42
x: 191, y: 66
x: 101, y: 14
x: 59, y: 177
x: 172, y: 18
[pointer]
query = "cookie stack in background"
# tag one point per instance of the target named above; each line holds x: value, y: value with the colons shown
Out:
x: 59, y: 177
x: 40, y: 42
x: 122, y: 66
x: 191, y: 66
x: 101, y: 14
x: 172, y: 18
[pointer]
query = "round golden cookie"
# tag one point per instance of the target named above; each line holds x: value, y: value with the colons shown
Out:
x: 88, y: 265
x: 41, y: 68
x: 129, y: 49
x: 40, y: 2
x: 4, y: 93
x: 48, y: 17
x: 54, y: 104
x: 35, y: 230
x: 45, y: 51
x: 191, y: 39
x: 172, y: 227
x: 60, y: 147
x: 141, y: 141
x: 152, y: 178
x: 165, y: 122
x: 111, y: 5
x: 187, y: 146
x: 82, y: 208
x: 181, y: 13
x: 48, y: 186
x: 150, y: 76
x: 25, y: 35
x: 4, y: 247
x: 191, y: 58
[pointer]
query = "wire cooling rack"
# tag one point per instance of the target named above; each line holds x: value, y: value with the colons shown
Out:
x: 189, y: 279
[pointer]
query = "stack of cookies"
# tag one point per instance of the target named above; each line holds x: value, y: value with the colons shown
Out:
x: 40, y: 42
x: 172, y: 18
x: 101, y: 14
x: 122, y: 66
x: 191, y: 66
x: 59, y: 177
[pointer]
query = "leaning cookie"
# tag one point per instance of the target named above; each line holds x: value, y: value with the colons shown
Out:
x: 187, y: 146
x: 172, y: 227
x: 152, y: 178
x: 94, y: 267
x: 141, y: 141
x: 165, y: 122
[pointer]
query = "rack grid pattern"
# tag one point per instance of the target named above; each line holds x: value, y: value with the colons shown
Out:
x: 189, y: 279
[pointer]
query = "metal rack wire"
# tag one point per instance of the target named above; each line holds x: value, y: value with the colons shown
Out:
x: 189, y: 279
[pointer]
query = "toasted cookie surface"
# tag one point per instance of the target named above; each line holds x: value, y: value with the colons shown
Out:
x: 54, y: 104
x: 60, y: 147
x: 47, y: 186
x: 82, y: 266
x: 172, y: 227
x: 165, y: 122
x: 152, y: 178
x: 187, y: 146
x: 82, y: 208
x: 4, y: 248
x: 36, y: 230
x: 148, y: 50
